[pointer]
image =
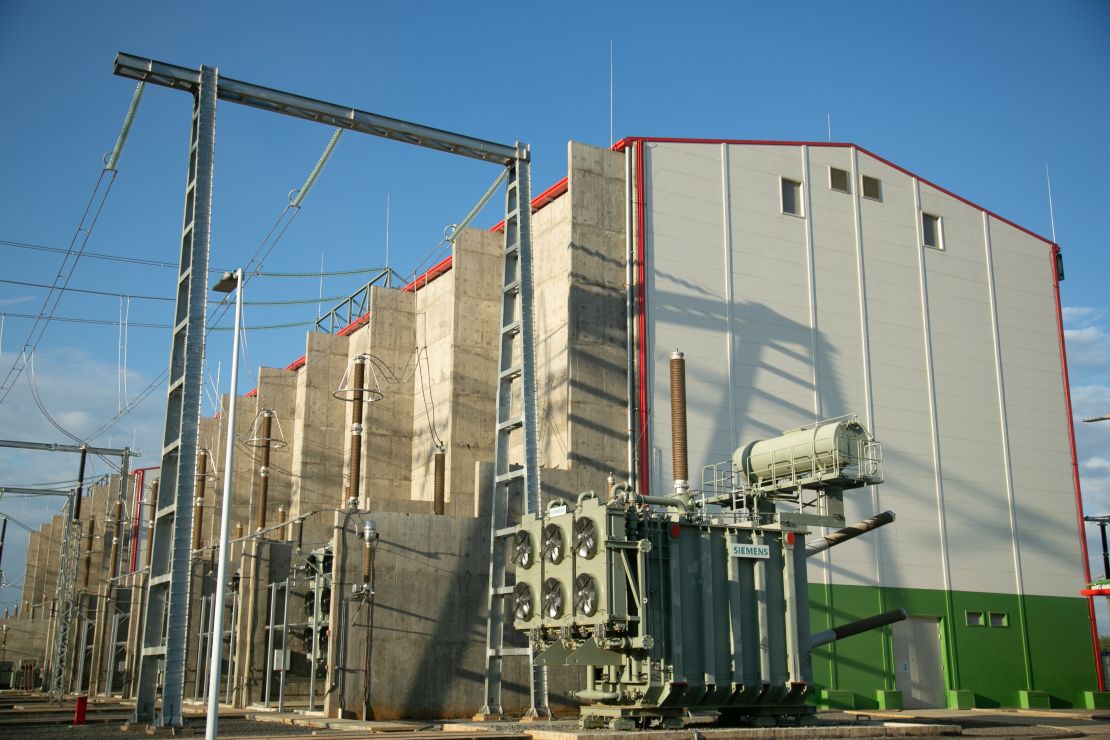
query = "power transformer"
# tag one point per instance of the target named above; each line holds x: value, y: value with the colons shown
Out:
x: 695, y: 601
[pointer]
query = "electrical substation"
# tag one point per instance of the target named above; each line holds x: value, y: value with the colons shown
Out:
x: 610, y: 460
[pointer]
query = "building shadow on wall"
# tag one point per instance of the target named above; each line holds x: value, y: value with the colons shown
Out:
x: 760, y: 336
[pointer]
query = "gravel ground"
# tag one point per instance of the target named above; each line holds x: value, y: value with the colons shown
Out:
x: 1001, y: 725
x: 1006, y: 724
x: 111, y: 730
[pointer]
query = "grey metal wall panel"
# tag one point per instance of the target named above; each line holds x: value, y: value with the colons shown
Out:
x: 1036, y: 412
x: 788, y: 368
x: 969, y: 426
x: 897, y: 376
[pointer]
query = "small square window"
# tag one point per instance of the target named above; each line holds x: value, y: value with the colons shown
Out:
x: 974, y: 619
x: 930, y: 231
x: 791, y: 197
x: 999, y: 619
x: 872, y: 188
x: 838, y: 180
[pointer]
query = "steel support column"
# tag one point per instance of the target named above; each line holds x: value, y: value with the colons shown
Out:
x: 516, y: 417
x: 517, y: 380
x: 165, y: 623
x: 65, y: 603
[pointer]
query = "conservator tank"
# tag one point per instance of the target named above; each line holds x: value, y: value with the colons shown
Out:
x: 837, y: 453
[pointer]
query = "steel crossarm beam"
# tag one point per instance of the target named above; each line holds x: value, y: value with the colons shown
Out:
x: 34, y: 491
x: 299, y: 106
x: 51, y: 447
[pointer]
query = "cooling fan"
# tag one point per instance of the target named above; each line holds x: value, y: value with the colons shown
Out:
x: 310, y: 603
x: 552, y: 599
x: 585, y: 538
x: 523, y: 606
x: 553, y: 547
x: 522, y: 549
x: 585, y: 595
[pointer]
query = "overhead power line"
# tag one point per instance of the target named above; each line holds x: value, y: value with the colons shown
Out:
x: 145, y: 325
x: 254, y: 263
x: 212, y: 270
x: 77, y: 244
x: 76, y: 320
x: 29, y: 529
x: 88, y: 291
x: 330, y: 273
x: 48, y: 484
x: 89, y: 218
x: 91, y: 255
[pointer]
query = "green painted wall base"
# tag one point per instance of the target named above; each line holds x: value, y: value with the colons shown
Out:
x: 1096, y: 699
x: 1034, y: 700
x: 833, y: 699
x: 961, y: 699
x: 889, y: 699
x: 983, y: 657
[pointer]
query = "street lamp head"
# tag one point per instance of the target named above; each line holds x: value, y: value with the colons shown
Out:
x: 1104, y: 417
x: 228, y: 282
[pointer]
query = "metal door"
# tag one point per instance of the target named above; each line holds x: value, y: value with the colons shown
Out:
x: 918, y: 672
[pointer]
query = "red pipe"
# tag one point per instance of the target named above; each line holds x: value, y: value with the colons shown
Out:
x: 140, y: 475
x: 135, y: 516
x: 79, y: 709
x: 1075, y: 465
x: 641, y: 318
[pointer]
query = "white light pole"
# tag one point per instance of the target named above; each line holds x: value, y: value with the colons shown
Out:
x: 229, y: 282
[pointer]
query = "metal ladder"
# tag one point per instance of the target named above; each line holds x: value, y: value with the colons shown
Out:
x: 516, y: 417
x: 166, y: 617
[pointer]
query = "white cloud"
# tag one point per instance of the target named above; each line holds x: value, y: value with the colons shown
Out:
x: 1087, y: 398
x: 1096, y: 464
x: 1093, y: 446
x: 79, y: 391
x: 1087, y: 339
x: 1096, y: 494
x: 1088, y: 346
x: 1081, y: 314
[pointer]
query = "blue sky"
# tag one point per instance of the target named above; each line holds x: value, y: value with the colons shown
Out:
x: 977, y: 97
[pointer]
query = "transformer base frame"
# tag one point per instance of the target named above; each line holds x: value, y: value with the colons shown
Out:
x: 627, y: 718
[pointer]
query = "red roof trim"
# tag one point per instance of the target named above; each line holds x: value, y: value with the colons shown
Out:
x: 354, y: 325
x: 963, y: 200
x: 435, y: 271
x: 561, y: 187
x: 620, y: 145
x: 542, y: 200
x: 441, y: 268
x: 1075, y: 465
